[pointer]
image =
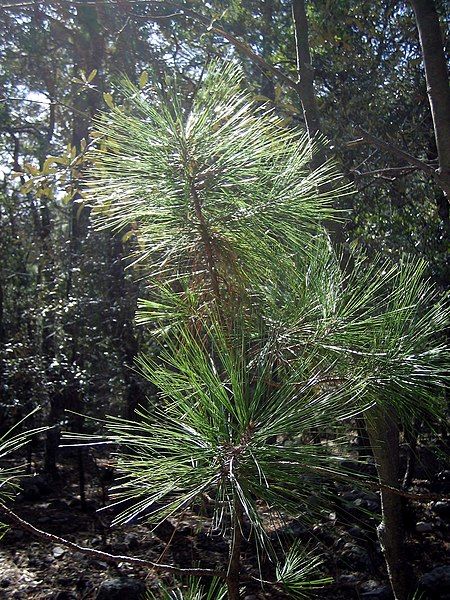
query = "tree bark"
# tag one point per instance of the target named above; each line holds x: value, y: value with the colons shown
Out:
x: 436, y: 74
x: 234, y: 567
x: 305, y: 69
x: 384, y: 439
x: 123, y: 297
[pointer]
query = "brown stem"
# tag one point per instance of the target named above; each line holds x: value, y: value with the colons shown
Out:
x: 206, y: 240
x: 104, y: 556
x: 234, y: 567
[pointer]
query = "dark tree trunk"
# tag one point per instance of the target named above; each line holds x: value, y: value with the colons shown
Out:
x: 384, y: 438
x: 234, y: 566
x: 53, y: 436
x: 438, y: 89
x: 123, y: 296
x: 307, y: 95
x: 305, y: 69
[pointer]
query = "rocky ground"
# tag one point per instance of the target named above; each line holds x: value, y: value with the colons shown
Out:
x: 345, y: 534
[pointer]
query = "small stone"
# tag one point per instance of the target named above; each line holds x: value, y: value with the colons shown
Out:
x: 370, y: 585
x: 354, y: 557
x: 442, y: 508
x: 436, y: 582
x: 132, y: 541
x: 378, y: 593
x: 348, y: 580
x: 423, y: 527
x: 58, y: 552
x: 357, y: 533
x: 58, y: 505
x: 123, y: 588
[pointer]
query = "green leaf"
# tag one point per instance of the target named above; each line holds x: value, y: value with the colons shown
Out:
x: 92, y: 75
x: 107, y: 97
x: 143, y: 79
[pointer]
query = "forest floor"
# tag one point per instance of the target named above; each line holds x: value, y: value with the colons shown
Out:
x: 345, y: 535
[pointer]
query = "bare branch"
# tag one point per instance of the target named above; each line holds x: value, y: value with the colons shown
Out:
x: 421, y: 165
x: 104, y: 556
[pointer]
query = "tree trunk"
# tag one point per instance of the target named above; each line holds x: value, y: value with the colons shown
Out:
x: 234, y: 567
x: 436, y: 74
x: 305, y: 69
x: 124, y: 297
x: 410, y: 437
x: 384, y: 438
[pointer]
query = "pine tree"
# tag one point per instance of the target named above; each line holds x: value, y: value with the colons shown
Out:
x: 261, y: 333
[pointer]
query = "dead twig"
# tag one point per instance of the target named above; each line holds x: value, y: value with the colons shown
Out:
x: 104, y: 556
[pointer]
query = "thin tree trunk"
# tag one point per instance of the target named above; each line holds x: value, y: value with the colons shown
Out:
x: 410, y: 436
x: 123, y: 295
x: 436, y: 74
x: 234, y: 567
x: 384, y: 438
x: 305, y: 69
x: 307, y: 95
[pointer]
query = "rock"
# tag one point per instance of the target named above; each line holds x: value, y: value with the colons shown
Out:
x: 423, y: 527
x: 118, y: 548
x: 442, y: 508
x: 370, y: 505
x: 33, y: 488
x: 357, y: 534
x: 436, y: 582
x: 353, y: 495
x: 58, y: 552
x: 99, y: 564
x: 123, y: 588
x: 379, y: 593
x: 369, y: 585
x: 58, y: 505
x: 132, y: 541
x: 30, y: 492
x: 5, y: 582
x: 293, y: 529
x: 348, y: 580
x: 355, y: 557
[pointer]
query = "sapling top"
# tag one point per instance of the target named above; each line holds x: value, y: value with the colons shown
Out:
x: 262, y: 334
